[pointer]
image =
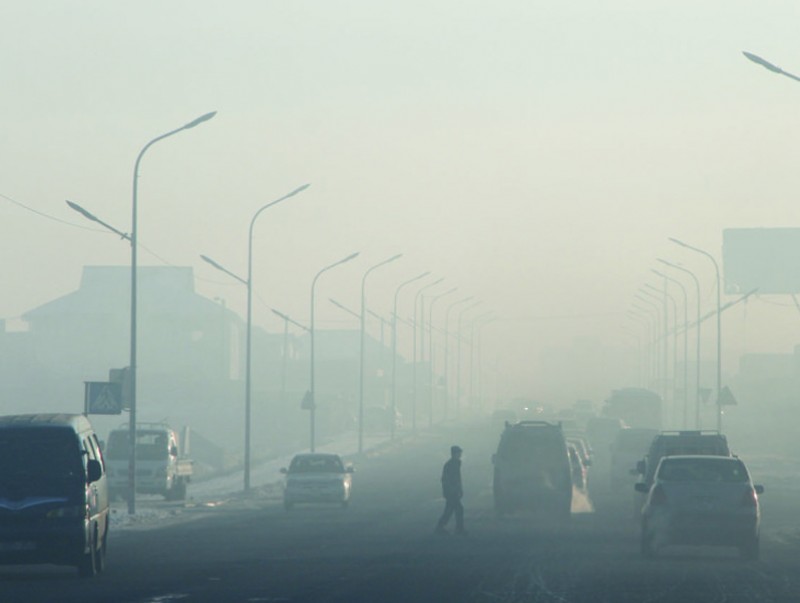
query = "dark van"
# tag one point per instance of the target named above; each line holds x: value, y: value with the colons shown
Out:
x: 53, y: 492
x: 532, y: 470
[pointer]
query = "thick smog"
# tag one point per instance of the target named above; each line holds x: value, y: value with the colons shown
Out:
x: 431, y: 301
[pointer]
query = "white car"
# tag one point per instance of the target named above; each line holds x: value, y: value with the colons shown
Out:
x: 701, y: 500
x: 317, y: 478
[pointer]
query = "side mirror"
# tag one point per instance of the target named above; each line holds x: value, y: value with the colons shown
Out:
x: 759, y: 489
x: 94, y: 471
x: 641, y: 467
x: 641, y: 487
x: 284, y: 470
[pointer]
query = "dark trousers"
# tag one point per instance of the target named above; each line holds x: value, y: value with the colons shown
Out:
x: 452, y: 505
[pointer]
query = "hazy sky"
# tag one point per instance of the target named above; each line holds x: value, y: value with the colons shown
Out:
x: 536, y: 154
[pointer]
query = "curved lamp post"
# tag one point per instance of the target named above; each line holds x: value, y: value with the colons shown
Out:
x: 248, y: 282
x: 312, y: 391
x: 363, y: 338
x: 458, y: 357
x: 697, y: 324
x: 394, y: 345
x: 719, y: 324
x: 685, y: 344
x: 414, y: 363
x: 767, y: 65
x: 433, y: 301
x: 132, y: 369
x: 447, y: 351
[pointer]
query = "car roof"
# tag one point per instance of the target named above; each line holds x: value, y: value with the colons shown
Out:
x: 315, y: 455
x: 700, y: 457
x: 56, y: 420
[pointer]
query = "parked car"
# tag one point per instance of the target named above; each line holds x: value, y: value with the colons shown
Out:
x: 317, y: 478
x: 701, y: 500
x: 53, y: 492
x: 532, y: 470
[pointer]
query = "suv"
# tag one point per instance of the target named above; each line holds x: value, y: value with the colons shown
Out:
x: 53, y: 495
x: 672, y: 443
x: 532, y: 469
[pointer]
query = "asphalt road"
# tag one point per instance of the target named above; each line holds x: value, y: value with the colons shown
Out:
x: 382, y: 548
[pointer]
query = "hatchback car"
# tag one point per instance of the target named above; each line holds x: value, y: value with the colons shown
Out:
x: 317, y: 478
x: 701, y: 500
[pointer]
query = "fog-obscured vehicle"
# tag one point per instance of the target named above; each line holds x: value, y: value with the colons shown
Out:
x: 701, y: 500
x: 532, y: 470
x: 635, y: 406
x: 53, y: 492
x: 631, y: 445
x: 161, y: 465
x: 583, y: 447
x: 672, y: 443
x: 317, y: 478
x: 579, y: 469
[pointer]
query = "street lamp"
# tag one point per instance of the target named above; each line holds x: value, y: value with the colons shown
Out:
x: 430, y: 350
x: 664, y: 295
x: 394, y: 345
x: 414, y: 363
x: 645, y: 368
x: 656, y: 316
x: 685, y: 344
x: 133, y: 238
x: 248, y: 283
x: 312, y: 402
x: 285, y: 360
x: 458, y: 357
x: 447, y: 351
x: 719, y: 325
x: 662, y: 301
x: 363, y: 341
x: 697, y: 375
x: 767, y: 65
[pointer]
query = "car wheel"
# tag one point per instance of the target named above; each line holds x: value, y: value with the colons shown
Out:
x: 87, y: 566
x: 646, y: 543
x: 751, y: 550
x: 100, y: 555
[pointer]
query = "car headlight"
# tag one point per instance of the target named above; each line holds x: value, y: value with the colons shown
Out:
x: 76, y: 511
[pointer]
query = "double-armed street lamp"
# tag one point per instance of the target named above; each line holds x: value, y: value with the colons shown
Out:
x: 133, y: 238
x: 697, y: 334
x: 363, y: 318
x: 719, y: 324
x: 248, y: 283
x: 312, y: 401
x: 400, y: 287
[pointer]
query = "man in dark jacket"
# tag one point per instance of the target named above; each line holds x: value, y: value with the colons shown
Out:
x: 452, y: 491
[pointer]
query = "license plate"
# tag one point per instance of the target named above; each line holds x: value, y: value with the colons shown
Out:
x: 10, y: 547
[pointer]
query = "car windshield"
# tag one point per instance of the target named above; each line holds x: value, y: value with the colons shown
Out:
x: 702, y: 470
x: 150, y: 445
x: 38, y: 461
x: 316, y: 464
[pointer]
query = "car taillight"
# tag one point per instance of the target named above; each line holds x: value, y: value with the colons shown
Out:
x: 658, y: 496
x: 750, y: 498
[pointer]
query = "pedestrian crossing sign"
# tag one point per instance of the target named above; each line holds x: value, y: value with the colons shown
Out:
x: 103, y: 398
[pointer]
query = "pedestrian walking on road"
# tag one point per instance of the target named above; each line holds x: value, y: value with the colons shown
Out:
x: 453, y: 492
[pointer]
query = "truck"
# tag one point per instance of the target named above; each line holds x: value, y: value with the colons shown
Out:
x: 162, y: 465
